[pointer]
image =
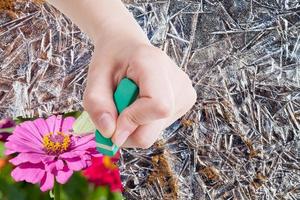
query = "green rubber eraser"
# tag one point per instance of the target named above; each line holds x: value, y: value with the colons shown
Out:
x: 105, y: 145
x: 125, y: 94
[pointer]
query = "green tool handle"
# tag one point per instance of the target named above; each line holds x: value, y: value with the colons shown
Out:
x: 125, y: 94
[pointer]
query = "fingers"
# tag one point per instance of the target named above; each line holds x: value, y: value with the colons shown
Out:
x: 143, y: 111
x: 145, y: 136
x: 156, y: 98
x: 149, y: 116
x: 166, y: 93
x: 98, y: 98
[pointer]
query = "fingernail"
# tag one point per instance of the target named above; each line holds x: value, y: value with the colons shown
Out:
x: 106, y: 124
x: 121, y: 138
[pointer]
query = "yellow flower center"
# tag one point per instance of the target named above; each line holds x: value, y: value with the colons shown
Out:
x: 55, y: 143
x: 107, y: 162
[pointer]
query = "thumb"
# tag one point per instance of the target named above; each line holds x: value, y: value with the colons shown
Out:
x: 98, y: 100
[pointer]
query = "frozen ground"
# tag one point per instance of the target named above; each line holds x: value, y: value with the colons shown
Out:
x: 242, y: 138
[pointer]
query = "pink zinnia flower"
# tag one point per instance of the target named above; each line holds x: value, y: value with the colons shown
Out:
x: 5, y: 125
x: 48, y: 151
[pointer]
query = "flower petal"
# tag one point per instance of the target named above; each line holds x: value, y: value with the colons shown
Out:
x: 76, y: 164
x: 51, y: 123
x: 20, y: 147
x: 59, y: 164
x: 4, y: 136
x: 54, y: 123
x: 84, y: 143
x: 50, y: 166
x: 70, y: 154
x: 42, y: 126
x: 47, y: 182
x: 84, y: 139
x: 64, y: 175
x: 27, y: 157
x: 7, y: 123
x: 27, y: 142
x: 9, y: 152
x: 27, y: 133
x: 29, y: 172
x: 67, y: 124
x: 30, y: 129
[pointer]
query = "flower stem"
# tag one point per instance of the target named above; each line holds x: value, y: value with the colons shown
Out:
x: 57, y: 191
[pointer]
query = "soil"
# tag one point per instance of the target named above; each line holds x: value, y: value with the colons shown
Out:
x: 9, y: 4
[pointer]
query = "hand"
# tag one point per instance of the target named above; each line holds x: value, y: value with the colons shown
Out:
x: 166, y: 93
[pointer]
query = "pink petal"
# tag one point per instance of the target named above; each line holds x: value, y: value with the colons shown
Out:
x: 27, y: 157
x: 58, y: 123
x: 76, y: 164
x: 50, y: 166
x: 7, y: 123
x: 64, y: 175
x: 21, y: 141
x: 72, y: 154
x: 29, y: 172
x: 67, y: 124
x: 51, y: 121
x: 54, y: 123
x: 85, y: 147
x: 84, y: 143
x: 79, y: 153
x: 23, y: 131
x: 47, y: 182
x: 21, y: 147
x: 59, y: 164
x: 42, y: 126
x: 31, y: 128
x: 68, y: 155
x: 84, y: 139
x: 9, y: 152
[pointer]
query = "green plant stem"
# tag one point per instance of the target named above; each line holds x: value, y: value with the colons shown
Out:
x: 57, y: 191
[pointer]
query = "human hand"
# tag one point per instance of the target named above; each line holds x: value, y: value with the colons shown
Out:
x: 166, y: 93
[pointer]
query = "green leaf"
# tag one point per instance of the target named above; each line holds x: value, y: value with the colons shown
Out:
x: 83, y: 124
x: 75, y: 114
x: 76, y: 188
x: 33, y: 192
x: 19, y: 120
x: 101, y: 193
x: 117, y: 196
x: 10, y: 191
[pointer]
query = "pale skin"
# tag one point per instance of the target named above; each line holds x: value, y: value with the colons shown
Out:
x: 123, y: 50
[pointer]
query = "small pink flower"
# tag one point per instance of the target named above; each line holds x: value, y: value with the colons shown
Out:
x: 47, y: 151
x: 5, y: 125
